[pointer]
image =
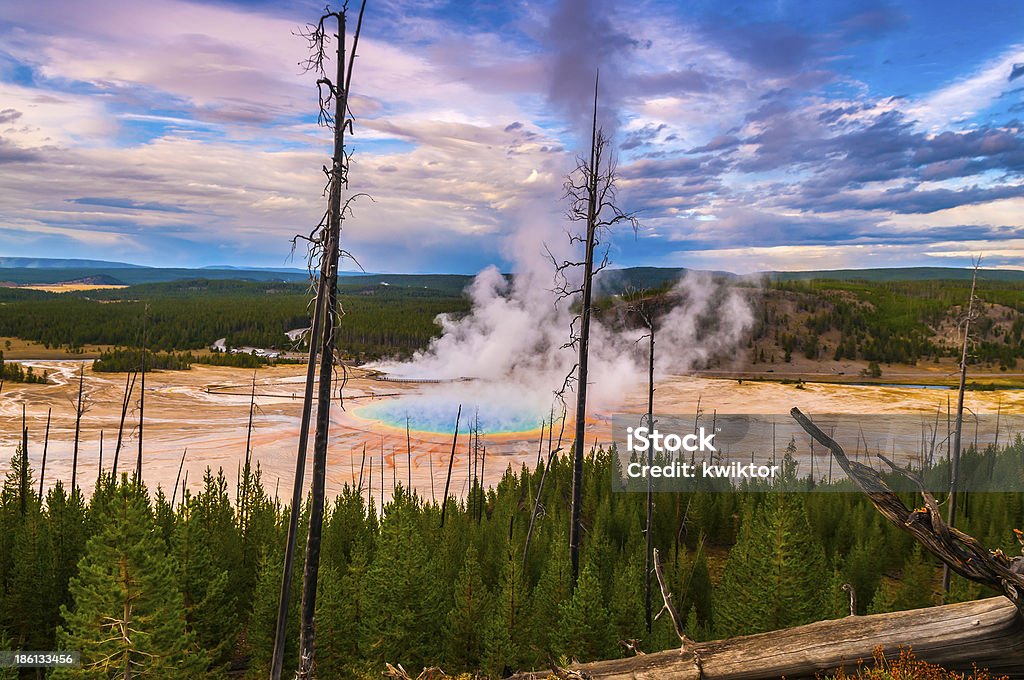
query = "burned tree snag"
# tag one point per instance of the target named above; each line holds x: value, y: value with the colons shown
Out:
x: 590, y: 190
x: 79, y: 410
x: 954, y: 474
x: 46, y: 445
x: 326, y: 244
x: 129, y: 387
x: 451, y: 462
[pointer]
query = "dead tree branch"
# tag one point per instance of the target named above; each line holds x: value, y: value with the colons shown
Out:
x: 962, y: 553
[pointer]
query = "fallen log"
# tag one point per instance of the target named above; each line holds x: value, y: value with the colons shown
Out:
x: 987, y: 633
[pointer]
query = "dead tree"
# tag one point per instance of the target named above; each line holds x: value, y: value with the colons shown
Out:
x: 590, y: 190
x: 959, y: 636
x: 451, y: 462
x: 288, y: 567
x: 639, y: 305
x: 46, y: 445
x: 142, y: 395
x: 24, y: 461
x: 960, y: 552
x: 129, y: 387
x: 326, y: 241
x: 954, y: 471
x: 177, y: 479
x: 79, y: 411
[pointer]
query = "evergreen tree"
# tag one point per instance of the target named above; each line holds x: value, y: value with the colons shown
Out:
x: 405, y: 621
x: 7, y: 673
x: 210, y: 606
x: 127, y: 616
x: 339, y: 615
x: 263, y: 619
x: 464, y: 634
x: 774, y: 573
x: 505, y: 626
x: 68, y: 534
x: 626, y: 604
x: 586, y: 632
x: 31, y: 608
x: 549, y: 596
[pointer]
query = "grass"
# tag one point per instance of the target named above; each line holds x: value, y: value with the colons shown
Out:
x: 907, y: 667
x: 19, y: 350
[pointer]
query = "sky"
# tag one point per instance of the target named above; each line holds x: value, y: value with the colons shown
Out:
x: 748, y: 135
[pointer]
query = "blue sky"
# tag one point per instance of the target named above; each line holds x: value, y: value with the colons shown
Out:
x: 749, y: 136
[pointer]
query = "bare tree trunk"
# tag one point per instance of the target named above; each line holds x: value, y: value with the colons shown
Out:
x: 284, y: 598
x: 142, y: 397
x: 243, y: 507
x: 99, y: 471
x: 954, y: 481
x: 540, y: 489
x: 332, y: 249
x: 46, y: 445
x: 483, y: 495
x: 451, y: 462
x: 78, y: 430
x: 648, y: 554
x: 177, y: 479
x: 576, y: 526
x: 24, y: 460
x: 128, y: 389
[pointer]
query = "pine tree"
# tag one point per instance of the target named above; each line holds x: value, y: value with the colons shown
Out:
x: 697, y: 587
x: 504, y: 626
x: 464, y: 635
x: 774, y: 573
x: 405, y: 622
x: 626, y: 604
x: 210, y: 606
x: 31, y: 608
x: 261, y: 622
x: 68, y: 534
x: 127, y: 616
x: 548, y: 597
x: 914, y: 590
x: 339, y: 614
x: 7, y: 673
x: 585, y: 632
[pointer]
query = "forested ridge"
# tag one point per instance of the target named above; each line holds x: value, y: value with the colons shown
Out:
x: 892, y: 322
x: 200, y: 579
x: 878, y: 322
x: 188, y: 315
x: 885, y: 322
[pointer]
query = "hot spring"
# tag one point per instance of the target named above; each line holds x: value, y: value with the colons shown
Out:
x: 498, y: 410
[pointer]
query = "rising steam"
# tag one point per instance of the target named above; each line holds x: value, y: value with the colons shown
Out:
x: 513, y: 341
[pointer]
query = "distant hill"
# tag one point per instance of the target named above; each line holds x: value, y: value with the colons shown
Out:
x: 136, y: 275
x: 55, y: 263
x: 900, y: 274
x: 24, y: 270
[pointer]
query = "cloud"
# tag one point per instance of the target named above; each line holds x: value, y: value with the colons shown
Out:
x: 180, y: 129
x: 970, y: 94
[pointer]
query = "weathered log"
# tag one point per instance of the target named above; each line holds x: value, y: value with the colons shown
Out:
x: 987, y: 633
